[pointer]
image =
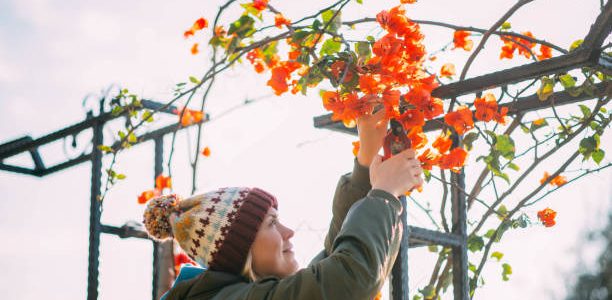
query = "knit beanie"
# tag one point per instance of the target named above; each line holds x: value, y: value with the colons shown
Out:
x: 215, y: 229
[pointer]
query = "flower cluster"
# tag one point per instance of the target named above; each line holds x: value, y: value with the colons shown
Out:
x: 547, y: 217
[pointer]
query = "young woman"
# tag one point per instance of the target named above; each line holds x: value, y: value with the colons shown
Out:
x: 235, y: 233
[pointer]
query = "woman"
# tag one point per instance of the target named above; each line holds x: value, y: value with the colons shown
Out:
x: 235, y: 233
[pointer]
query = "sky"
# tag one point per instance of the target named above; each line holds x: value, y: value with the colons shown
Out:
x: 58, y: 57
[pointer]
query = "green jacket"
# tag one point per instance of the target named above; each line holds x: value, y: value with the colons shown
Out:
x: 360, y: 249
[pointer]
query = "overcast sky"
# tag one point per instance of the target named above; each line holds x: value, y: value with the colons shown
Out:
x: 56, y: 58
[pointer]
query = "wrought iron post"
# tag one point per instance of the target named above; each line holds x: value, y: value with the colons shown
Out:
x: 460, y: 259
x: 163, y: 257
x: 399, y: 274
x: 95, y: 212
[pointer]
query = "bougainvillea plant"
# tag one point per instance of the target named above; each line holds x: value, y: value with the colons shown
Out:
x: 396, y: 71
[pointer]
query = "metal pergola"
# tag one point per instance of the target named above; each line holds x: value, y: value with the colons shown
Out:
x: 589, y: 54
x: 162, y: 252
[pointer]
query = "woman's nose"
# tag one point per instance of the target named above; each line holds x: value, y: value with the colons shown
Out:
x: 287, y: 232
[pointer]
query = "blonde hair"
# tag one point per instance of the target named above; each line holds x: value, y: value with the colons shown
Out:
x: 247, y: 270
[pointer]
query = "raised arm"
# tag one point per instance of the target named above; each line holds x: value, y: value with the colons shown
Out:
x: 354, y: 186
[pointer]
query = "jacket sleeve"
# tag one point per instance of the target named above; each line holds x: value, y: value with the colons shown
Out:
x: 361, y: 258
x: 351, y: 187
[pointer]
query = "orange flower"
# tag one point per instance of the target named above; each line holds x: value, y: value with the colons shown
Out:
x: 447, y: 70
x: 405, y: 2
x: 199, y: 24
x: 279, y: 21
x: 371, y: 84
x: 460, y: 39
x: 206, y: 152
x: 162, y: 182
x: 547, y: 217
x: 412, y: 118
x: 194, y: 49
x: 442, y: 143
x: 507, y: 50
x: 147, y: 195
x: 418, y: 139
x: 538, y: 122
x: 558, y: 180
x: 356, y: 147
x: 422, y: 100
x: 461, y: 120
x: 545, y: 52
x: 524, y: 50
x: 486, y: 107
x: 338, y: 67
x: 278, y: 81
x: 190, y: 116
x: 220, y: 31
x: 454, y: 160
x: 500, y: 116
x: 188, y: 33
x: 429, y: 159
x: 260, y: 4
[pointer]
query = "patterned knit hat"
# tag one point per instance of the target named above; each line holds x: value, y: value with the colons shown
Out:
x: 215, y: 229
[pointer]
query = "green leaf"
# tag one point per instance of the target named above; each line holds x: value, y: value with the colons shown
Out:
x: 502, y: 212
x: 330, y: 46
x: 507, y: 270
x: 546, y: 88
x: 498, y: 255
x: 371, y: 39
x: 121, y: 134
x: 194, y: 80
x: 147, y: 116
x: 121, y: 176
x: 475, y: 243
x: 335, y: 23
x: 513, y: 166
x: 587, y: 146
x: 575, y: 45
x: 586, y: 112
x: 417, y: 297
x: 567, y: 81
x: 363, y: 49
x: 105, y: 149
x: 598, y: 155
x: 506, y: 26
x: 360, y: 1
x: 427, y: 292
x: 489, y: 233
x: 132, y: 138
x: 432, y: 248
x: 471, y: 267
x: 427, y: 174
x: 505, y: 145
x: 468, y: 140
x: 243, y: 27
x: 117, y: 110
x: 525, y: 128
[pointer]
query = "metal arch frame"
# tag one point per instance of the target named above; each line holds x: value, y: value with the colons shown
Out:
x: 162, y: 252
x: 589, y: 54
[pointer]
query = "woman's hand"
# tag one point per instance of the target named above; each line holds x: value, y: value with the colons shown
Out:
x: 372, y: 129
x: 398, y: 174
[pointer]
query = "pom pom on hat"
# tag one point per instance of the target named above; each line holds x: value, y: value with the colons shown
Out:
x: 157, y: 216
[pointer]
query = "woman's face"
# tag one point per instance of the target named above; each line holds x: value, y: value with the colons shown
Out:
x: 272, y: 252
